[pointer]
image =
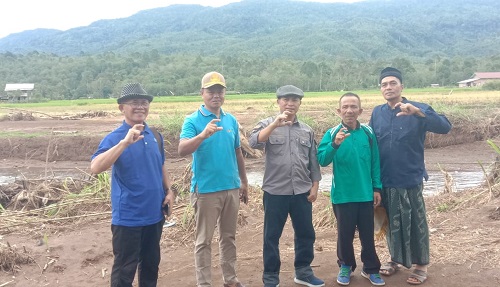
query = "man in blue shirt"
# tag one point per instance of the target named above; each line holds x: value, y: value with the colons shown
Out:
x: 140, y: 188
x: 219, y: 179
x: 400, y: 126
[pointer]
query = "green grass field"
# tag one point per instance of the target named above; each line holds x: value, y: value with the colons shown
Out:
x: 370, y: 98
x: 318, y: 109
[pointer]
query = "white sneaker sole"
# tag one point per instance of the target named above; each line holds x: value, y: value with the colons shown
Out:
x: 343, y: 284
x: 368, y: 277
x: 306, y: 284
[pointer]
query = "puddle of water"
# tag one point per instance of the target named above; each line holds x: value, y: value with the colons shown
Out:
x: 462, y: 180
x: 5, y: 179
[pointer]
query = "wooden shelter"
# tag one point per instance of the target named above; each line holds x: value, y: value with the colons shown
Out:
x: 19, y: 92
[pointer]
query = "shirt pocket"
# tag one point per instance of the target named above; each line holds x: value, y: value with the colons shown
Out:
x: 406, y: 130
x: 276, y: 145
x: 365, y: 153
x: 304, y: 147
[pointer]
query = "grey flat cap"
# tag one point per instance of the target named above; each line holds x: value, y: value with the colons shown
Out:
x: 133, y: 91
x: 289, y: 91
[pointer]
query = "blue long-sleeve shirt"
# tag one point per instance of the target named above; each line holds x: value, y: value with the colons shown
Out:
x: 401, y: 142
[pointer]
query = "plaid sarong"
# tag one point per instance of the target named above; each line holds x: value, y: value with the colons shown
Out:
x: 408, y: 236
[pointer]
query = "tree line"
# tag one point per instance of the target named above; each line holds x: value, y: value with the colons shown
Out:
x: 103, y: 75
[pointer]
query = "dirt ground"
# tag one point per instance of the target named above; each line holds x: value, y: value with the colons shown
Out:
x: 465, y: 227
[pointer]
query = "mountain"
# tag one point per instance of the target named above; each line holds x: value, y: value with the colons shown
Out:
x: 374, y: 29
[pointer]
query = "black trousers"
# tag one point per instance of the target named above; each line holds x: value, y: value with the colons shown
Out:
x: 136, y: 248
x: 349, y: 216
x: 276, y: 211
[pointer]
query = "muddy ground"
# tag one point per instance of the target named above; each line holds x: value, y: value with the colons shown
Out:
x: 465, y: 227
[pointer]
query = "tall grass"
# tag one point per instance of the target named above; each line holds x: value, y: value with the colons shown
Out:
x: 169, y: 124
x: 494, y: 146
x: 461, y: 102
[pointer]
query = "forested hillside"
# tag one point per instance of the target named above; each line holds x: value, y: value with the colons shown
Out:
x: 260, y: 45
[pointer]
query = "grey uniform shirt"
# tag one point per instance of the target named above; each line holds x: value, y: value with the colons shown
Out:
x: 291, y: 158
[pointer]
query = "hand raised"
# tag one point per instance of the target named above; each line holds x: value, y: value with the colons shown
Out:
x: 341, y: 136
x: 211, y: 128
x: 406, y: 109
x: 282, y: 119
x: 134, y: 134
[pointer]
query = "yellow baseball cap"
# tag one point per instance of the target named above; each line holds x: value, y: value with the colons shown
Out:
x: 211, y: 79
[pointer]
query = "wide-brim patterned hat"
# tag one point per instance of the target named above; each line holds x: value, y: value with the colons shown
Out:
x: 133, y: 91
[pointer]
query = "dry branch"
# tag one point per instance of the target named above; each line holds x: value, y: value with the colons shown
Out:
x: 27, y: 111
x: 245, y: 145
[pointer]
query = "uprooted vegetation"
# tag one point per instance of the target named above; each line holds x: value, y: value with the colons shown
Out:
x: 79, y: 145
x: 24, y: 115
x: 56, y: 204
x: 465, y: 130
x: 19, y: 116
x: 40, y: 207
x: 36, y: 202
x: 11, y: 258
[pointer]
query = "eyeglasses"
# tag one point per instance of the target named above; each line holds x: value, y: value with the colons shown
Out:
x: 138, y: 104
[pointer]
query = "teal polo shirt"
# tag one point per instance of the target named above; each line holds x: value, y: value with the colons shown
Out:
x: 214, y: 165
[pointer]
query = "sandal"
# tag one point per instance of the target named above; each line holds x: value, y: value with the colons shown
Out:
x: 389, y: 268
x: 419, y: 275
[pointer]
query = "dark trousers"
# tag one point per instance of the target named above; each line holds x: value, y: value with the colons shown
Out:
x: 349, y: 216
x: 136, y: 248
x: 276, y: 210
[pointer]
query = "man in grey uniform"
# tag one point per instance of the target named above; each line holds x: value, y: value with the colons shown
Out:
x: 290, y: 186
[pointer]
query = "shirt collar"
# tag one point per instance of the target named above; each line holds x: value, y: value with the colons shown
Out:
x: 403, y: 100
x: 146, y: 127
x: 207, y: 113
x: 358, y: 125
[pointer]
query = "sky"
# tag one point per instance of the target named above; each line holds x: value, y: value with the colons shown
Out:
x: 21, y: 15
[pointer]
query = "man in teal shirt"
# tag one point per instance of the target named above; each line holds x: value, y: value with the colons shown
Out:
x: 356, y: 185
x: 219, y: 180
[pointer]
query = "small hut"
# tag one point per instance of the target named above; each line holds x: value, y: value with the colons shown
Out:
x: 19, y: 92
